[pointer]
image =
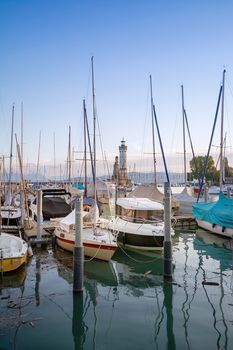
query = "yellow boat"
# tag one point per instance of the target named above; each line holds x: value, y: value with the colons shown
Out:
x: 13, y: 252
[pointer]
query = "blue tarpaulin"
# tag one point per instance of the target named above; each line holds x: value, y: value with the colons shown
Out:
x: 218, y: 213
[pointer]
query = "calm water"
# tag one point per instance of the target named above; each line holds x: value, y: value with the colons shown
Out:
x: 125, y: 304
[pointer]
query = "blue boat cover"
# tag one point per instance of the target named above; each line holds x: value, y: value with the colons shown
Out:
x: 218, y: 213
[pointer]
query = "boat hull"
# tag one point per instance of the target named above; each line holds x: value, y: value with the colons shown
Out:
x: 101, y: 251
x: 13, y: 252
x: 142, y: 236
x: 12, y: 264
x: 216, y: 229
x: 140, y: 242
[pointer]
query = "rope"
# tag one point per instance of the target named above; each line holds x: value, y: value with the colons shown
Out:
x: 136, y: 260
x: 88, y: 260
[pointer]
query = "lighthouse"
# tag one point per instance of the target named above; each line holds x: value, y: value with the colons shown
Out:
x: 123, y: 173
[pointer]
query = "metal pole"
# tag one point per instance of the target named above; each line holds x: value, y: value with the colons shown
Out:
x: 167, y: 244
x: 78, y: 262
x: 184, y: 146
x: 39, y: 216
x: 205, y: 192
x: 22, y: 205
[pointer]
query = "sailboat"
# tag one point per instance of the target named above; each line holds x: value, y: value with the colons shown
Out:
x: 13, y: 250
x: 11, y: 215
x: 98, y: 241
x: 217, y: 217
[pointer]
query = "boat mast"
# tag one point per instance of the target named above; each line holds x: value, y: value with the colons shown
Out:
x: 94, y: 128
x: 184, y: 145
x: 11, y: 150
x: 21, y: 132
x: 38, y: 160
x: 85, y: 148
x: 221, y: 134
x: 153, y: 134
x: 69, y: 160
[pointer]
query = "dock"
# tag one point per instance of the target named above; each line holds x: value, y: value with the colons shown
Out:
x: 188, y: 221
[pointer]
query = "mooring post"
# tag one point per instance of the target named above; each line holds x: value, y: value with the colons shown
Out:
x: 78, y: 247
x: 167, y: 244
x: 39, y: 218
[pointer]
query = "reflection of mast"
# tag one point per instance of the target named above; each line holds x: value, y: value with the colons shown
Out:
x: 208, y: 299
x: 185, y: 312
x: 38, y: 278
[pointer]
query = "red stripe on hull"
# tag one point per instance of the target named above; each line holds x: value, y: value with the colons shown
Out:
x: 90, y: 245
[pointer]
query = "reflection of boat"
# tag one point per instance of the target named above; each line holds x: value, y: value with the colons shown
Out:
x: 208, y: 244
x: 13, y: 280
x: 13, y: 252
x: 103, y: 272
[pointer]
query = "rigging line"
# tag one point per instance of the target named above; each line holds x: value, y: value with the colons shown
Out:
x: 144, y: 128
x: 161, y: 146
x: 191, y: 144
x: 211, y: 138
x: 89, y: 141
x: 177, y: 127
x: 105, y: 165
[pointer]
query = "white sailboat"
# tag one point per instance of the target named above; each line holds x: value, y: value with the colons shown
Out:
x: 98, y: 241
x: 11, y: 215
x: 13, y: 250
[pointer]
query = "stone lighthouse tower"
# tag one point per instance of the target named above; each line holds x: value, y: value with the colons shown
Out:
x: 123, y: 173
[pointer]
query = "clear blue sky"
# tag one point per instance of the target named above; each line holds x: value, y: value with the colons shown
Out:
x: 45, y: 53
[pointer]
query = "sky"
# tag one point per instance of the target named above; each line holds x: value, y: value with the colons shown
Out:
x: 45, y: 62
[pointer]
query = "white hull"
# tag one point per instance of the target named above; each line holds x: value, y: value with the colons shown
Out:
x: 144, y: 229
x: 100, y: 247
x: 216, y: 229
x: 10, y: 215
x: 13, y: 252
x: 143, y: 236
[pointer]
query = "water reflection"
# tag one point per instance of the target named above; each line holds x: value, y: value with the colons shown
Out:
x: 78, y: 326
x: 207, y: 245
x: 126, y: 303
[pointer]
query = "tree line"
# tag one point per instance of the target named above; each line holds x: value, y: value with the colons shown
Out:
x: 212, y: 173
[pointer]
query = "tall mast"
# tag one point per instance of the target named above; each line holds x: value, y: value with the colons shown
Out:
x: 38, y: 160
x: 221, y: 133
x: 21, y: 132
x: 85, y: 148
x: 11, y: 148
x: 69, y: 159
x: 153, y: 134
x: 54, y: 157
x: 184, y: 146
x: 94, y: 127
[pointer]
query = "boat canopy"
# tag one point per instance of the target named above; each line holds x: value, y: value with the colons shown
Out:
x: 218, y: 213
x: 139, y: 204
x: 69, y: 220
